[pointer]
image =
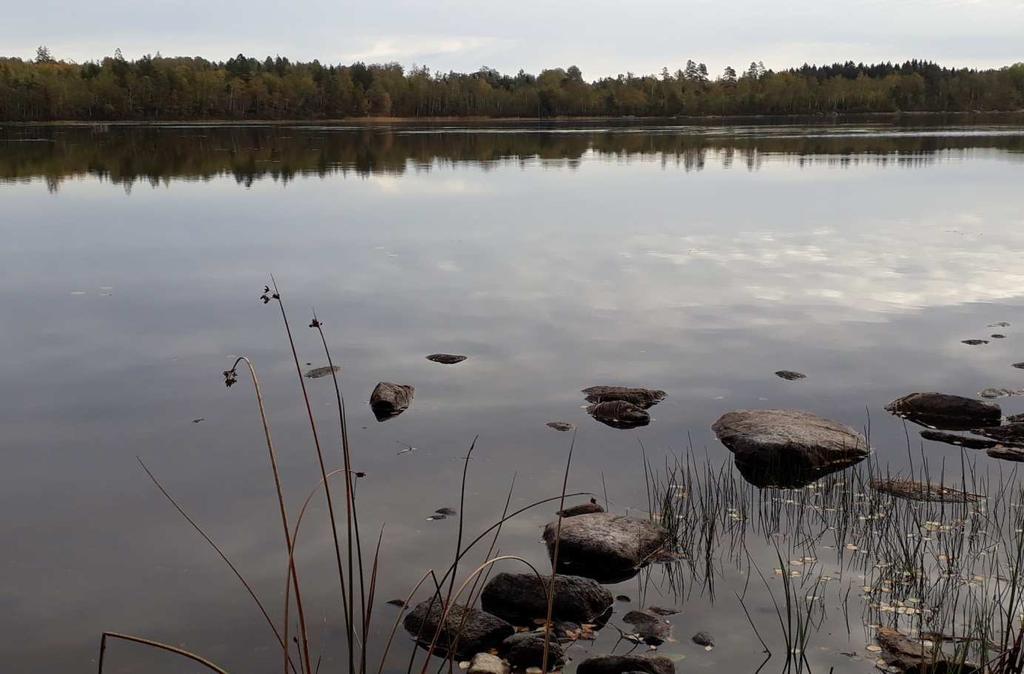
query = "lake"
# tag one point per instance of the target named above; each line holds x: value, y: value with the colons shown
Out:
x: 694, y: 259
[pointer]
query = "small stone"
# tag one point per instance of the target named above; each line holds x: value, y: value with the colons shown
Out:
x: 703, y: 639
x: 641, y: 397
x: 790, y: 375
x: 582, y: 509
x: 619, y: 414
x: 389, y: 400
x: 446, y: 358
x: 318, y: 372
x: 561, y: 426
x: 485, y: 663
x: 974, y: 342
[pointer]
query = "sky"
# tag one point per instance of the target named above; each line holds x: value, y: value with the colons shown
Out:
x: 602, y: 37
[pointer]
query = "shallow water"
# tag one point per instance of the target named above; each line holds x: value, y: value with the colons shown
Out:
x: 694, y: 260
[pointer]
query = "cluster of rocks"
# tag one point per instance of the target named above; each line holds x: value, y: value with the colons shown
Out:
x: 593, y: 548
x: 983, y: 420
x: 621, y: 406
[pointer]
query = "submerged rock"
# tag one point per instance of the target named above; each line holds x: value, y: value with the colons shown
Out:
x: 703, y: 639
x: 790, y: 375
x: 641, y: 397
x: 485, y: 663
x: 997, y: 336
x: 999, y: 324
x: 651, y: 629
x: 389, y: 400
x: 608, y: 548
x: 974, y: 342
x: 923, y: 491
x: 622, y: 664
x: 945, y: 411
x: 318, y: 372
x: 526, y: 649
x: 1006, y: 453
x: 469, y: 630
x: 619, y: 414
x: 915, y: 655
x: 521, y: 598
x: 788, y: 448
x: 582, y: 509
x: 561, y: 426
x: 958, y: 440
x: 1011, y: 434
x: 446, y: 358
x: 1019, y: 366
x: 992, y: 393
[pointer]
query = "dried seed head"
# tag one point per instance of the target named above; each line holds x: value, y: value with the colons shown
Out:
x: 230, y: 377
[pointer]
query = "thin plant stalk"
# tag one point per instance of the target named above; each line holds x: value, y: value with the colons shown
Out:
x: 154, y: 644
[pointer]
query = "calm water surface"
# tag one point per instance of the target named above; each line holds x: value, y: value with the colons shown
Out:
x: 695, y: 260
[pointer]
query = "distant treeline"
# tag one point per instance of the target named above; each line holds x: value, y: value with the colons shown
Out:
x: 160, y: 88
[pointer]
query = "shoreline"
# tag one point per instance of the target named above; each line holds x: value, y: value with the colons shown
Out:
x: 709, y: 120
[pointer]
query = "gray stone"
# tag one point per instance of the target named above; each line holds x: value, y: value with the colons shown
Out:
x: 466, y: 631
x: 641, y: 397
x: 945, y: 411
x: 788, y: 448
x: 957, y: 440
x: 621, y: 664
x: 1011, y: 435
x: 526, y: 649
x: 485, y: 663
x: 521, y: 598
x: 446, y: 358
x: 389, y: 400
x: 619, y: 414
x: 582, y: 509
x: 608, y: 548
x: 652, y: 630
x: 790, y: 375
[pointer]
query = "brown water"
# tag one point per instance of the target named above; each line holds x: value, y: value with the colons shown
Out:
x: 696, y: 260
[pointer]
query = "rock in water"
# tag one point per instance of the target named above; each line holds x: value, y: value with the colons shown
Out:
x: 704, y: 639
x: 923, y: 491
x: 622, y: 664
x: 1019, y: 366
x: 608, y: 548
x: 582, y: 509
x: 992, y: 393
x: 945, y: 411
x: 916, y: 655
x: 651, y: 629
x: 389, y: 400
x: 1011, y: 434
x: 790, y: 375
x: 958, y: 440
x: 1006, y: 453
x: 641, y: 397
x: 561, y: 426
x: 619, y: 414
x: 521, y: 598
x: 446, y: 358
x: 788, y: 448
x: 526, y: 649
x: 974, y: 342
x: 480, y: 631
x: 318, y: 372
x: 485, y: 663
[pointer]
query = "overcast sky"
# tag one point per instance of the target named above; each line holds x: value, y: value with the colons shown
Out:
x: 603, y: 37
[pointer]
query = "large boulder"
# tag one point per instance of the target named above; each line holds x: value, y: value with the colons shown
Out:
x: 526, y: 649
x: 945, y: 411
x: 608, y: 548
x: 621, y: 664
x: 389, y: 400
x: 641, y: 397
x: 466, y: 631
x: 788, y: 448
x: 916, y: 655
x: 619, y: 414
x: 521, y: 598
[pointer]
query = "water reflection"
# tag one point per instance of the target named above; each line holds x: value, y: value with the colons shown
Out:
x: 837, y: 258
x: 126, y: 155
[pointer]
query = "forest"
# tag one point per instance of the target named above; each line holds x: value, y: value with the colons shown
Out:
x: 241, y: 88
